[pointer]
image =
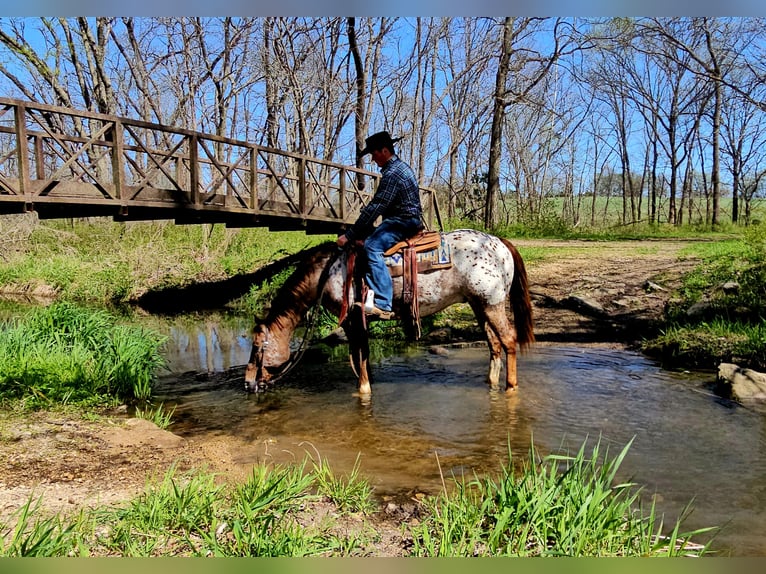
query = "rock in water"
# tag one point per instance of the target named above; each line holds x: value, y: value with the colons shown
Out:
x: 747, y: 385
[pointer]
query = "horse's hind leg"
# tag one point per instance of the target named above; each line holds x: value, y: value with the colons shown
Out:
x: 495, y: 347
x: 505, y: 333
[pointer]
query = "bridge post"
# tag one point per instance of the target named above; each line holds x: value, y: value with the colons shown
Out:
x: 22, y: 153
x: 118, y: 173
x: 253, y: 178
x: 39, y: 163
x: 342, y: 194
x: 194, y: 170
x: 302, y: 185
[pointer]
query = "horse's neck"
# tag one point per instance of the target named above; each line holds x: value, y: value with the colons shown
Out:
x: 299, y: 293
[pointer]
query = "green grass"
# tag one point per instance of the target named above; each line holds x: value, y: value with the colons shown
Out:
x: 101, y: 261
x: 552, y: 220
x: 349, y: 493
x: 704, y: 345
x: 560, y: 505
x: 727, y: 325
x: 159, y: 415
x: 68, y: 354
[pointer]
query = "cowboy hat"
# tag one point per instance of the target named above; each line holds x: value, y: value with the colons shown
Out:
x: 378, y: 141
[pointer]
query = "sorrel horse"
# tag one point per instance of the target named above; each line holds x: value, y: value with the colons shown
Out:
x: 486, y: 271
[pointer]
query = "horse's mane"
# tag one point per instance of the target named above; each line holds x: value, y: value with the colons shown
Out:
x: 300, y: 289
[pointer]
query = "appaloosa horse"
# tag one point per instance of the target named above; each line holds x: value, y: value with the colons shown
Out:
x: 485, y: 271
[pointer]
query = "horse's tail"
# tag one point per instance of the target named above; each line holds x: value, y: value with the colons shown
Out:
x: 520, y: 300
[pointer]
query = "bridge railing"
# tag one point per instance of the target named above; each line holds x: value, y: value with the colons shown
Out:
x: 67, y: 163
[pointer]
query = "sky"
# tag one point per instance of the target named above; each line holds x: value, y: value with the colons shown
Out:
x: 391, y: 7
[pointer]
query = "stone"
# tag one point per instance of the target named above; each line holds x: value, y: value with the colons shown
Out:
x: 585, y: 305
x: 439, y: 350
x: 700, y: 308
x: 747, y: 385
x: 650, y: 286
x: 441, y: 335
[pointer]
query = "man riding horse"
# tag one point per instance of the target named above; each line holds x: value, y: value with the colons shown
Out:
x: 397, y: 201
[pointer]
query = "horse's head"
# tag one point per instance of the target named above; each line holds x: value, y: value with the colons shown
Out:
x: 267, y: 358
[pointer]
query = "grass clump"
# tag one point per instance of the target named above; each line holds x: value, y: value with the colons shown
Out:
x: 562, y: 506
x: 349, y: 493
x: 705, y: 343
x: 158, y: 415
x: 68, y: 354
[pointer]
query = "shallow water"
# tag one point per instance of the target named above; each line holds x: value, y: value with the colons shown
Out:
x: 431, y: 415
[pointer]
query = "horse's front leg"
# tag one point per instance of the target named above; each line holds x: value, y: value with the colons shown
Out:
x: 364, y: 379
x: 359, y: 349
x: 511, y: 381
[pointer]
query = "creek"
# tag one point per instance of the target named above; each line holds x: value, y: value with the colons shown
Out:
x: 432, y: 416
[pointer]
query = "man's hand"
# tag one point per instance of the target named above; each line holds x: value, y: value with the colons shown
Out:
x: 342, y: 240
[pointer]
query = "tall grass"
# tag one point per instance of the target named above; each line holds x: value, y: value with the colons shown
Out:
x: 64, y: 354
x: 34, y: 535
x: 562, y: 505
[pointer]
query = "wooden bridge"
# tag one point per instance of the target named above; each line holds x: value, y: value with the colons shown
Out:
x: 63, y: 163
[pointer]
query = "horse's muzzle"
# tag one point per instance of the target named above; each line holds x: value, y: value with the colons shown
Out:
x: 251, y: 379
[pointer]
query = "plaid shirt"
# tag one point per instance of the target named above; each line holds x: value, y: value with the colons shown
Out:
x: 398, y: 195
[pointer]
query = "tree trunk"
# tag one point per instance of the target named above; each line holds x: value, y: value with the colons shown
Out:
x: 496, y: 133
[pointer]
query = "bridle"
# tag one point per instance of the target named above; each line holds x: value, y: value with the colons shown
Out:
x: 257, y: 353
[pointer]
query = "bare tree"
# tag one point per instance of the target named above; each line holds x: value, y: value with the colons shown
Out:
x: 709, y: 48
x: 527, y: 66
x: 463, y: 105
x: 367, y: 67
x: 743, y: 137
x: 74, y: 48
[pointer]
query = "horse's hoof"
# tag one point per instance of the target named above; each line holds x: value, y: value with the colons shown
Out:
x: 364, y: 391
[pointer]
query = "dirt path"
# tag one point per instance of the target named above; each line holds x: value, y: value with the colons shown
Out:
x: 585, y: 292
x: 603, y: 292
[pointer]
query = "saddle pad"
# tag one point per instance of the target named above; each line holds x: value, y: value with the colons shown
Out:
x: 430, y: 260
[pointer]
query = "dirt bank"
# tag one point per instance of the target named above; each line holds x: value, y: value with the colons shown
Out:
x: 587, y: 292
x: 610, y: 293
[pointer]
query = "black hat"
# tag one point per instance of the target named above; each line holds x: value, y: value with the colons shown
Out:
x: 378, y: 141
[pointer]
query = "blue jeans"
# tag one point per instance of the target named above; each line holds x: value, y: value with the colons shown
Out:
x: 389, y: 232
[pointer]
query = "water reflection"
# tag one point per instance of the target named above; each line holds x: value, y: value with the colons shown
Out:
x: 432, y: 415
x: 205, y: 342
